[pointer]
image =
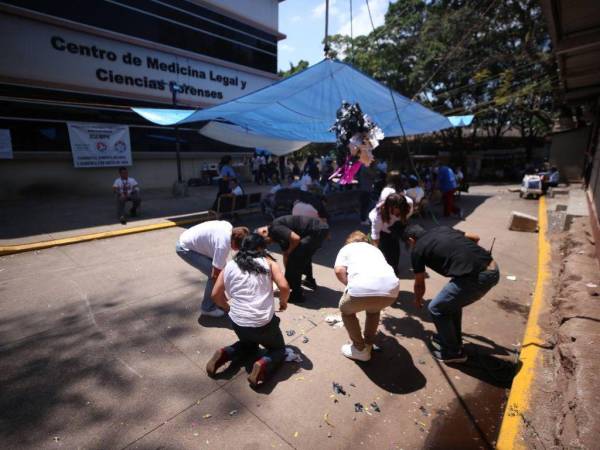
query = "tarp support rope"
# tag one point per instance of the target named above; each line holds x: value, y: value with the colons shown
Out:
x: 326, y: 39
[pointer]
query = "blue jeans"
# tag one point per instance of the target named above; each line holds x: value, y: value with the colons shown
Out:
x: 203, y: 264
x: 446, y: 307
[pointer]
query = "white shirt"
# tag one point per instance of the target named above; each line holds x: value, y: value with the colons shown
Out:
x: 237, y: 190
x: 554, y: 177
x: 127, y: 186
x: 304, y: 209
x: 385, y: 193
x: 369, y: 274
x: 212, y: 239
x: 250, y: 295
x: 378, y: 225
x: 416, y: 194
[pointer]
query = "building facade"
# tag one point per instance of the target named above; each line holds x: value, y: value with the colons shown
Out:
x: 67, y: 63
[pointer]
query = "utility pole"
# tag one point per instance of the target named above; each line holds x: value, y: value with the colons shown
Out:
x: 179, y: 187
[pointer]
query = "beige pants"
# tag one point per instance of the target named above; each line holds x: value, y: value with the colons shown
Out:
x: 349, y: 306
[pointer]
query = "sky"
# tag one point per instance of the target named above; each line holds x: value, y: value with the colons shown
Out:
x: 303, y: 21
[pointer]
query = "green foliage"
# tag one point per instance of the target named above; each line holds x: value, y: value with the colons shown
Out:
x: 491, y: 58
x: 302, y: 64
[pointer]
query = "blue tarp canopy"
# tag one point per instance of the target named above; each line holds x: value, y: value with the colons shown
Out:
x: 302, y: 108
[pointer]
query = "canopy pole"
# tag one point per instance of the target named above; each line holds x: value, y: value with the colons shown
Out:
x: 326, y: 40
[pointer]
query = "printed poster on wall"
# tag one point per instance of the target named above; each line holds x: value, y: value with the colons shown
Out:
x: 99, y: 144
x: 6, y: 151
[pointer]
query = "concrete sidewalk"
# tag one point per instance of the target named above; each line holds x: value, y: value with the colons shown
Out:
x: 38, y: 219
x: 100, y: 348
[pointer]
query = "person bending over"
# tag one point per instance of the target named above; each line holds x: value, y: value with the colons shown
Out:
x: 387, y: 224
x: 299, y: 238
x: 206, y: 246
x: 371, y: 285
x: 248, y: 283
x: 472, y: 272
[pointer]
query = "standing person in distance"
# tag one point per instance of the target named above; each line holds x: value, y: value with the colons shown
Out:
x: 299, y: 238
x: 387, y: 224
x: 206, y: 247
x: 472, y: 271
x: 126, y: 189
x: 248, y: 282
x: 371, y: 285
x: 448, y: 185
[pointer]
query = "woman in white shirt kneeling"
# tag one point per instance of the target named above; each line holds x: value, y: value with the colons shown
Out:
x: 371, y: 285
x: 248, y: 282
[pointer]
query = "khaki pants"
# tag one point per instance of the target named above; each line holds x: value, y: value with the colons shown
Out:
x: 349, y: 306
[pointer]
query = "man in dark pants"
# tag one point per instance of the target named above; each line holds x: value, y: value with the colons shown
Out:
x: 472, y: 272
x: 299, y: 238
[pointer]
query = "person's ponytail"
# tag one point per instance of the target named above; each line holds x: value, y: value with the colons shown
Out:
x: 253, y: 246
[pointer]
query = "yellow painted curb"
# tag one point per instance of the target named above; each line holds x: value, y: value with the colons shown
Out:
x: 20, y: 248
x: 510, y: 436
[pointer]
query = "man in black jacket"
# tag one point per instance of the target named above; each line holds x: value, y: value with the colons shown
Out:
x: 472, y: 272
x: 299, y: 238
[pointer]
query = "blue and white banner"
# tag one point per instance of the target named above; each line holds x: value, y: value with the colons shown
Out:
x: 99, y: 144
x: 6, y: 151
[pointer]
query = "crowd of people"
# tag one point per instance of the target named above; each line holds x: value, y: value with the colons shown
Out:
x: 367, y: 267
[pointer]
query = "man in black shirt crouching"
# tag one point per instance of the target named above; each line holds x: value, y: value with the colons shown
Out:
x: 472, y: 272
x: 299, y: 238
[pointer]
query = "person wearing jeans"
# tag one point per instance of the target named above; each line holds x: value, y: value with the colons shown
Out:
x: 206, y: 247
x: 371, y: 285
x: 248, y: 282
x: 472, y: 272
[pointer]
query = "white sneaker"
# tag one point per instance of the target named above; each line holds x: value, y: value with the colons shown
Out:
x: 350, y: 351
x: 214, y: 313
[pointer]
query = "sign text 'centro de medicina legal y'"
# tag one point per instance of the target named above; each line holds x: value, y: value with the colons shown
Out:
x: 37, y: 54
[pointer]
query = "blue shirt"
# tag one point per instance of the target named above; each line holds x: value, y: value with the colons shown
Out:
x: 446, y: 179
x: 227, y: 171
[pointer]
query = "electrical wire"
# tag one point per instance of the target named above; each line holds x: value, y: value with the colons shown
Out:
x: 404, y: 139
x: 467, y: 35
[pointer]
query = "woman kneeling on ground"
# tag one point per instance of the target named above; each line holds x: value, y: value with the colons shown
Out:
x: 248, y: 282
x: 371, y: 285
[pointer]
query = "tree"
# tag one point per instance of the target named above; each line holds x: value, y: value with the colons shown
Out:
x: 490, y: 58
x: 302, y: 64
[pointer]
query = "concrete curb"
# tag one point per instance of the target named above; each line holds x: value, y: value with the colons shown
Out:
x: 510, y: 436
x: 184, y: 220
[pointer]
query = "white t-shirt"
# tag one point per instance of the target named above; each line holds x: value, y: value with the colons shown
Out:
x: 369, y: 274
x: 237, y: 190
x: 377, y: 223
x: 126, y: 186
x: 416, y: 194
x: 385, y: 193
x: 250, y: 295
x: 212, y: 239
x: 304, y: 209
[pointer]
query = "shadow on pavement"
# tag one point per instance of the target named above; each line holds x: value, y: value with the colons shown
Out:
x: 393, y: 369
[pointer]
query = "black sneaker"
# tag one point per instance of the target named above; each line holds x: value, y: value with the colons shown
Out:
x: 310, y: 283
x: 122, y: 220
x: 436, y: 343
x: 448, y: 358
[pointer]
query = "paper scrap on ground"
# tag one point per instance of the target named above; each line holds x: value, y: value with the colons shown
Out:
x: 511, y: 277
x: 334, y: 320
x: 292, y: 356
